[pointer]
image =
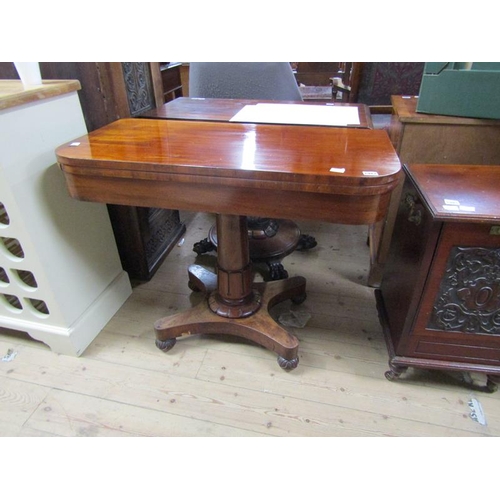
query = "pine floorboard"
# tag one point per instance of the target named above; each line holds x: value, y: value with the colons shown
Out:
x: 221, y: 386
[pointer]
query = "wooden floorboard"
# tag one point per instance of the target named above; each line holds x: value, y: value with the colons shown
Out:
x: 209, y: 386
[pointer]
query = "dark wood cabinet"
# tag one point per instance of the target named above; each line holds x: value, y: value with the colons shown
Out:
x: 147, y: 234
x: 439, y: 299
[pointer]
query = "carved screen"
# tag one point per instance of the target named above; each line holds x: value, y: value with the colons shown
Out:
x: 137, y: 76
x: 468, y: 299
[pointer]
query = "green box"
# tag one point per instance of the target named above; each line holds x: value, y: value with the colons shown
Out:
x: 461, y: 89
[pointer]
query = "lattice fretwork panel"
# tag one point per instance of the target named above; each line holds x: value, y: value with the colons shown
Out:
x: 20, y: 295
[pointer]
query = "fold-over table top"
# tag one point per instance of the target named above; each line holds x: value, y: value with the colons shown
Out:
x: 338, y: 175
x: 301, y: 158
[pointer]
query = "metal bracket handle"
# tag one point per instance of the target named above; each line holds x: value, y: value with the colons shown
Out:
x: 415, y: 216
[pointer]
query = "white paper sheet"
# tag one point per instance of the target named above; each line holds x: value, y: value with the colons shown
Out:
x: 299, y: 114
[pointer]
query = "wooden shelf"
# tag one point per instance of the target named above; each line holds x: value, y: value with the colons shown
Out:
x: 171, y: 80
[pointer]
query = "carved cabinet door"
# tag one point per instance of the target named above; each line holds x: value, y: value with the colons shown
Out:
x: 459, y: 316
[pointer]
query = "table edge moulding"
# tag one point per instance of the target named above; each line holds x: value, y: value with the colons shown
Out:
x: 61, y: 279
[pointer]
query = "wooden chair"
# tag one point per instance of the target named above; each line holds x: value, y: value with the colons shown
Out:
x: 346, y: 81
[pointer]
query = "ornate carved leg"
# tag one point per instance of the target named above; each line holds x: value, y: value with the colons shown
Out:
x: 237, y: 306
x: 204, y: 246
x: 276, y: 270
x: 306, y: 242
x: 395, y: 371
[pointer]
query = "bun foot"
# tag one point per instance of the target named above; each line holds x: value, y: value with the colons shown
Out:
x: 298, y: 299
x: 165, y: 345
x: 288, y: 364
x: 193, y: 287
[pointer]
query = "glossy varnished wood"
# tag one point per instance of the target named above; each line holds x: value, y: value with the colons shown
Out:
x: 222, y: 167
x: 270, y: 250
x: 225, y: 168
x: 13, y: 93
x: 439, y: 295
x: 186, y: 108
x: 473, y: 186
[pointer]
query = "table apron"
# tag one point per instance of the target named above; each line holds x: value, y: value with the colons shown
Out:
x: 236, y: 200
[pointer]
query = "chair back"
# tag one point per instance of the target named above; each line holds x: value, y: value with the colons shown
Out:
x: 237, y: 80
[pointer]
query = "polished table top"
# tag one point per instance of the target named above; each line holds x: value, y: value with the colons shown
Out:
x: 291, y: 170
x: 209, y: 109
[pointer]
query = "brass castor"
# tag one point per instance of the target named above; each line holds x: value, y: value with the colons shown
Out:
x: 394, y: 372
x: 165, y: 345
x: 391, y: 375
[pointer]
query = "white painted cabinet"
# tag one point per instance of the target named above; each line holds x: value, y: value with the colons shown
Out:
x: 61, y: 279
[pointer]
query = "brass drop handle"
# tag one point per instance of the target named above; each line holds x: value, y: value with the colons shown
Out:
x: 415, y: 216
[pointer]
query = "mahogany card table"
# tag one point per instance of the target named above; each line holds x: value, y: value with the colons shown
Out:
x: 235, y: 170
x: 216, y: 109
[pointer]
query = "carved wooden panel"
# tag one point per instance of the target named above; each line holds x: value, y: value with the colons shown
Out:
x: 137, y: 77
x: 163, y: 225
x: 468, y: 299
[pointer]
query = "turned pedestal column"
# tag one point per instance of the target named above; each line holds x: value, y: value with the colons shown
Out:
x: 234, y: 304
